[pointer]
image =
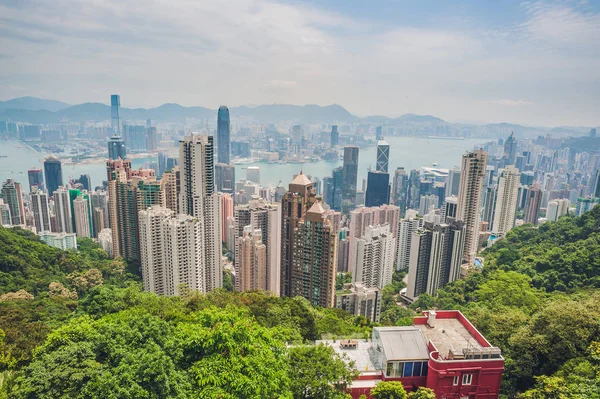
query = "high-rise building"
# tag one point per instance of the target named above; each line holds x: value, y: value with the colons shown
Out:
x: 453, y: 182
x: 349, y: 178
x: 378, y: 189
x: 375, y: 257
x: 63, y: 211
x: 116, y: 148
x: 379, y: 133
x: 427, y: 202
x: 406, y: 228
x: 358, y: 300
x: 226, y: 213
x: 105, y: 241
x: 170, y: 184
x: 5, y: 218
x: 115, y: 104
x: 199, y: 199
x: 383, y: 156
x: 506, y: 202
x: 510, y: 149
x: 225, y: 178
x: 100, y: 201
x: 64, y: 241
x: 585, y: 204
x: 314, y: 261
x: 413, y: 193
x: 488, y: 205
x: 533, y: 205
x: 596, y: 187
x: 84, y: 181
x: 251, y: 261
x: 295, y: 203
x: 556, y: 209
x: 171, y: 252
x: 13, y: 196
x: 151, y: 138
x: 472, y: 175
x: 41, y: 209
x: 333, y: 188
x: 135, y: 137
x: 53, y: 172
x: 223, y: 135
x: 435, y: 257
x: 81, y: 212
x: 253, y: 174
x: 98, y: 217
x: 449, y: 208
x: 335, y: 136
x: 36, y: 178
x: 399, y: 189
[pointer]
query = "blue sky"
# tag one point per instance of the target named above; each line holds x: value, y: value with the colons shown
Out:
x: 534, y: 62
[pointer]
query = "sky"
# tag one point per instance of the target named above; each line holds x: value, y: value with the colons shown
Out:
x: 530, y: 62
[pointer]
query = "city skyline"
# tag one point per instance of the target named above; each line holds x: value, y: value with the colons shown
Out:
x: 480, y: 62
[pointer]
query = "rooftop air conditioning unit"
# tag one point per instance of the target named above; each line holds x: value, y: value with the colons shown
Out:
x: 431, y: 318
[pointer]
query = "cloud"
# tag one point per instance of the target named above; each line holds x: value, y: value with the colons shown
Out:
x: 512, y: 103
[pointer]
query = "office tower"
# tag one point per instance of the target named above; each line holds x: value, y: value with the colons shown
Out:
x: 223, y: 133
x: 251, y: 267
x: 527, y: 178
x: 81, y: 212
x: 533, y: 205
x: 427, y: 202
x: 520, y: 162
x: 510, y: 149
x: 170, y: 184
x: 100, y: 201
x: 374, y: 257
x: 226, y: 213
x: 449, y: 208
x: 135, y: 138
x: 343, y: 255
x: 115, y: 104
x: 506, y: 201
x: 379, y: 133
x: 151, y: 139
x: 85, y: 181
x: 413, y: 195
x: 41, y: 209
x: 359, y: 300
x: 333, y: 188
x: 199, y: 199
x: 452, y: 182
x: 13, y: 197
x: 63, y: 211
x: 36, y: 178
x: 265, y: 217
x: 314, y: 244
x: 472, y: 174
x: 435, y: 257
x: 585, y: 204
x: 253, y: 174
x: 592, y: 132
x: 98, y: 217
x: 349, y: 178
x: 5, y: 218
x: 295, y: 203
x: 399, y: 189
x: 171, y: 252
x: 378, y: 189
x: 225, y: 178
x: 335, y: 136
x: 116, y: 148
x: 488, y: 204
x: 556, y: 209
x: 383, y: 156
x: 53, y: 172
x: 406, y: 227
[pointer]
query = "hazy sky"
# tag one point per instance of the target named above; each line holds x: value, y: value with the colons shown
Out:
x: 533, y: 62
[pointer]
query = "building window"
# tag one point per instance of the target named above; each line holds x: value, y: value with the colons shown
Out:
x: 467, y: 379
x: 455, y: 382
x: 417, y: 369
x: 408, y: 369
x: 388, y: 371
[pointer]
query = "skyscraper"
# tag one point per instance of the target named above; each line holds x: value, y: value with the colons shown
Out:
x: 399, y: 189
x: 85, y: 181
x: 596, y: 187
x: 378, y: 189
x: 225, y: 178
x: 251, y: 263
x: 36, y: 178
x: 383, y: 156
x: 151, y: 138
x: 449, y: 208
x: 506, y: 202
x: 335, y: 136
x: 556, y: 209
x: 453, y: 182
x: 223, y: 133
x: 533, y: 205
x: 295, y: 203
x: 5, y: 218
x: 41, y: 210
x: 63, y: 211
x: 510, y: 149
x: 406, y: 228
x: 81, y: 211
x: 374, y: 257
x: 333, y: 188
x: 349, y: 178
x: 314, y: 244
x: 53, y: 172
x: 413, y: 194
x: 427, y: 202
x: 116, y: 148
x: 472, y: 175
x: 115, y: 104
x: 379, y: 133
x: 13, y: 196
x: 170, y: 185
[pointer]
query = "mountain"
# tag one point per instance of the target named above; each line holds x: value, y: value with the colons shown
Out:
x: 33, y: 103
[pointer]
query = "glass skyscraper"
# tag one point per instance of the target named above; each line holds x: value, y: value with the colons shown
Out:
x: 53, y: 172
x: 116, y: 148
x: 223, y: 135
x: 378, y: 189
x: 350, y: 176
x: 115, y: 104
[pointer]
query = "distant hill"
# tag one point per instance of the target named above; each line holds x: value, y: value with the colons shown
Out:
x: 33, y: 103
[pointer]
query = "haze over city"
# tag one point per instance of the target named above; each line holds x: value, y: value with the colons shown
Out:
x: 533, y: 62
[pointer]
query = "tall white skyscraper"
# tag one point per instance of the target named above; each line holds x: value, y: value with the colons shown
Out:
x: 81, y: 213
x: 472, y: 175
x: 41, y: 210
x: 374, y: 257
x: 556, y: 209
x: 62, y: 209
x: 199, y: 199
x: 506, y: 201
x: 383, y: 156
x: 406, y: 228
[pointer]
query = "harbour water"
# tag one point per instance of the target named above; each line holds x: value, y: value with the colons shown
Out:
x: 409, y: 152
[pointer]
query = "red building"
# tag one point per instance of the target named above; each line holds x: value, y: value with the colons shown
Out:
x: 442, y: 350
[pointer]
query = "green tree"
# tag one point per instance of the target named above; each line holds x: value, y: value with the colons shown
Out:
x: 319, y: 372
x: 422, y: 393
x: 389, y: 390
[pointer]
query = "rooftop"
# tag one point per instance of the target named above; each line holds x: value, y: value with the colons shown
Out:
x: 301, y: 180
x: 400, y: 343
x: 363, y: 355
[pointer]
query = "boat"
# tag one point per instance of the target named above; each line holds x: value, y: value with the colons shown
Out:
x: 435, y: 163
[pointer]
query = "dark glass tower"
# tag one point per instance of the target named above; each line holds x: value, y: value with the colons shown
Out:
x: 349, y: 178
x: 378, y: 189
x: 335, y: 136
x: 223, y: 133
x: 115, y: 104
x: 53, y: 172
x: 510, y: 149
x: 36, y: 179
x: 116, y: 148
